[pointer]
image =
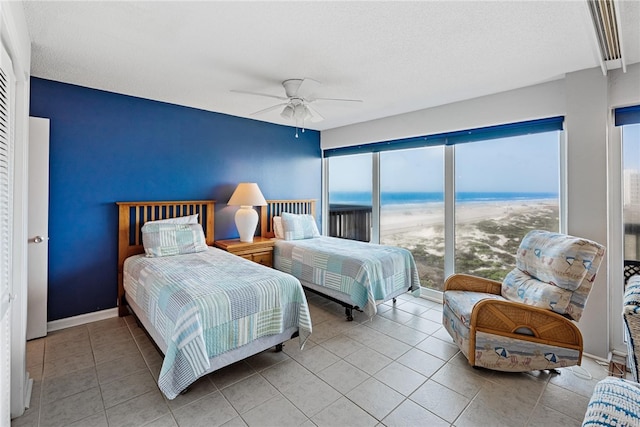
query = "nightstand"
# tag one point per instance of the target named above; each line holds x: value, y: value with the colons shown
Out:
x: 260, y: 250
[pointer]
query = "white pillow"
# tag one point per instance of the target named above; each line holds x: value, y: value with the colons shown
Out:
x: 297, y: 227
x: 277, y: 227
x: 189, y: 219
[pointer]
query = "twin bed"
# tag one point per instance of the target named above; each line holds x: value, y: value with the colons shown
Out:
x: 206, y: 308
x: 357, y: 275
x: 203, y: 307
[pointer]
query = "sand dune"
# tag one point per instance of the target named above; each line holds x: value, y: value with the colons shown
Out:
x: 420, y: 228
x: 416, y: 217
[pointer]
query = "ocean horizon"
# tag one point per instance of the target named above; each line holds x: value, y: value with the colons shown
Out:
x: 410, y: 197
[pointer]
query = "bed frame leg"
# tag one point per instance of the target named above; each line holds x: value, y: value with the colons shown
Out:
x: 279, y: 347
x: 348, y: 313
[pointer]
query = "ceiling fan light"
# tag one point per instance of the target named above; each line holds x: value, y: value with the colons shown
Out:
x: 300, y: 112
x: 287, y: 112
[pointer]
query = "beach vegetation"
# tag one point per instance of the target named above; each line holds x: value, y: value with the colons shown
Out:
x: 485, y: 247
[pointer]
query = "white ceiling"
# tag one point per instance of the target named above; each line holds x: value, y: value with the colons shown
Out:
x: 396, y: 56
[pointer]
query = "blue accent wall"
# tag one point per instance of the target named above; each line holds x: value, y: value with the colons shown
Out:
x: 106, y: 147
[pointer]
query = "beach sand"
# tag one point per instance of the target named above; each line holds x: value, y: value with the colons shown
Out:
x: 487, y: 234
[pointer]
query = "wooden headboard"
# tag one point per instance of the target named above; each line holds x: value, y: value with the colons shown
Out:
x: 133, y: 215
x: 276, y: 207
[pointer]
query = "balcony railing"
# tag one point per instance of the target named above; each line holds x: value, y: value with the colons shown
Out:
x: 350, y: 222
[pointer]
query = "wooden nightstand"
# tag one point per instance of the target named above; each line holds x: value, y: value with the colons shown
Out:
x: 260, y: 250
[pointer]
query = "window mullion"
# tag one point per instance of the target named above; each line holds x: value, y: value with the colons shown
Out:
x: 449, y: 210
x: 375, y: 198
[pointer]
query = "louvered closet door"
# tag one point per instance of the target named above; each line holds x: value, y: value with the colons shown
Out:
x: 6, y: 220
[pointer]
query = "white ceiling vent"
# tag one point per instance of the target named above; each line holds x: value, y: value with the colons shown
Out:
x: 606, y: 22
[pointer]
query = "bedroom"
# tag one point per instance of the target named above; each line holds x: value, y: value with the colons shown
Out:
x: 82, y: 209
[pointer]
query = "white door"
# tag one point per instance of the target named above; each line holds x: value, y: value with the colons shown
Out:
x: 38, y: 227
x: 6, y: 221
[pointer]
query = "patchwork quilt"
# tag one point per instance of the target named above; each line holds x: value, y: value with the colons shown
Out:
x: 366, y: 272
x: 207, y: 303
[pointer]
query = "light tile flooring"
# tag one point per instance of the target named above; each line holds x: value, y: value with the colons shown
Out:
x: 400, y: 368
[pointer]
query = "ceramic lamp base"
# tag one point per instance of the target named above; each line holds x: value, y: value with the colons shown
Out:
x: 246, y: 223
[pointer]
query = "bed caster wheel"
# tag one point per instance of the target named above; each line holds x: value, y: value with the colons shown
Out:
x: 394, y: 300
x: 279, y: 347
x: 349, y: 318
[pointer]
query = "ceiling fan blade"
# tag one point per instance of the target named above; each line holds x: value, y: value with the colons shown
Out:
x: 315, y: 116
x: 307, y: 88
x: 273, y: 107
x: 283, y: 98
x: 338, y: 99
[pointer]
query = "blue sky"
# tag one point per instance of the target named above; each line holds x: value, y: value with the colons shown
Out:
x: 520, y: 164
x: 631, y: 146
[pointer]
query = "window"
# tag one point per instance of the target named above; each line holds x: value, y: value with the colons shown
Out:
x: 629, y: 119
x: 412, y: 208
x: 497, y: 183
x: 350, y: 197
x: 504, y: 188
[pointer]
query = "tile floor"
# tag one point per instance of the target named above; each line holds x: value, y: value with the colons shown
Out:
x: 401, y: 368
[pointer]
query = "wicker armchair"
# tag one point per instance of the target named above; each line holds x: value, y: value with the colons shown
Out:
x: 526, y: 322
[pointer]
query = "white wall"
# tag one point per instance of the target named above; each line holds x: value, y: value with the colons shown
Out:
x: 584, y: 98
x: 544, y: 100
x: 586, y: 124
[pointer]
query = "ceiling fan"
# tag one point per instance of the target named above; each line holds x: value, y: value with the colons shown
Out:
x: 299, y: 94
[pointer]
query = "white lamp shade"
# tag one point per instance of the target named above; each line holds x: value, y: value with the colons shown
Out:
x: 247, y: 195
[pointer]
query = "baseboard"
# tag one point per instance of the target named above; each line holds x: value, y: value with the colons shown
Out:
x: 82, y: 319
x: 596, y: 358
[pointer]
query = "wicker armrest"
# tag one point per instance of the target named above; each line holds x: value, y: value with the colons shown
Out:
x: 466, y: 282
x: 524, y: 322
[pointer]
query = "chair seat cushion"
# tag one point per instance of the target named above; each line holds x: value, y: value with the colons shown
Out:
x: 520, y: 287
x: 461, y: 303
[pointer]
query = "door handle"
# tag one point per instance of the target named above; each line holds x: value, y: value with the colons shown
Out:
x: 39, y: 239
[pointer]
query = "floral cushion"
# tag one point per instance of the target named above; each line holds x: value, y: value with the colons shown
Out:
x: 559, y: 260
x: 562, y: 260
x: 519, y: 286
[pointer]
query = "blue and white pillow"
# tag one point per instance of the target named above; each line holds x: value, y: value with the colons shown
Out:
x: 166, y: 239
x: 298, y: 227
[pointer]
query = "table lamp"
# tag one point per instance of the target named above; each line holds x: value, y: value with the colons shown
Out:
x: 247, y: 195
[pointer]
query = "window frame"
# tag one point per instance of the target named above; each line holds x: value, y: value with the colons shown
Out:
x: 449, y: 140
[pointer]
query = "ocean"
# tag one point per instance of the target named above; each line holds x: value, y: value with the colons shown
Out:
x: 401, y: 198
